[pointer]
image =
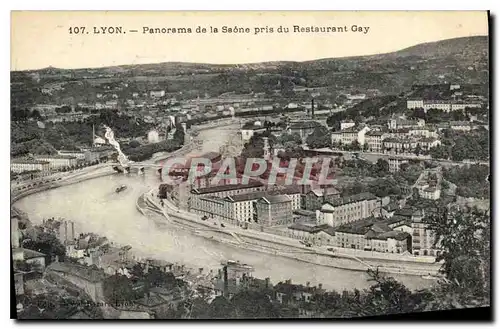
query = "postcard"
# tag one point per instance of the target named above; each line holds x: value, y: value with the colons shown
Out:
x: 249, y: 165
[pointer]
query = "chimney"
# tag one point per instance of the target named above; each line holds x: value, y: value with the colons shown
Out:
x: 320, y: 286
x: 312, y: 108
x: 308, y: 284
x: 72, y: 230
x: 200, y: 270
x: 268, y: 280
x: 225, y: 281
x: 65, y: 231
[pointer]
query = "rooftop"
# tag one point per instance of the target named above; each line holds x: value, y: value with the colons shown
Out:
x: 311, y: 227
x: 374, y: 133
x: 404, y: 212
x: 353, y: 129
x: 329, y: 230
x: 371, y: 227
x: 56, y: 156
x: 291, y: 189
x: 306, y: 213
x: 273, y: 199
x: 397, y: 235
x: 30, y: 254
x: 245, y: 197
x: 392, y: 206
x: 351, y: 199
x: 232, y: 187
x: 305, y: 125
x: 252, y: 126
x: 28, y: 161
x: 84, y: 272
x: 327, y: 191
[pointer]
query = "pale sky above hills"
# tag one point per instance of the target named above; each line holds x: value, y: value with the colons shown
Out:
x: 41, y: 39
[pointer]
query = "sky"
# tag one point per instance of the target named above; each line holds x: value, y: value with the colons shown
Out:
x: 42, y: 39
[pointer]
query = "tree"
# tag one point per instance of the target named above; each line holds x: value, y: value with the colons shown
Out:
x: 464, y: 237
x: 35, y: 114
x: 418, y: 149
x: 179, y: 134
x: 290, y: 140
x: 251, y: 304
x: 320, y: 137
x: 355, y: 146
x: 118, y: 289
x: 382, y: 167
x: 133, y: 144
x: 48, y: 244
x: 157, y: 278
x: 387, y: 296
x: 220, y: 308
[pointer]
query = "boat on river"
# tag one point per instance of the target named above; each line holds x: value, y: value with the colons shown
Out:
x: 121, y: 188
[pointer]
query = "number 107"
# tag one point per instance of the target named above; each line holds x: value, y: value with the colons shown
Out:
x: 76, y: 30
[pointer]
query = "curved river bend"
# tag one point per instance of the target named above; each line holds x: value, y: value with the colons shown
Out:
x: 95, y: 207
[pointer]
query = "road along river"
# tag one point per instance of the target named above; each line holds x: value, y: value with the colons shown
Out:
x: 95, y: 207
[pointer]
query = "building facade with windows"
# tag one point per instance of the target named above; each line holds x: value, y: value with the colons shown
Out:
x: 374, y: 141
x: 59, y: 161
x: 314, y: 199
x: 423, y: 238
x: 22, y: 165
x: 274, y: 210
x: 348, y: 209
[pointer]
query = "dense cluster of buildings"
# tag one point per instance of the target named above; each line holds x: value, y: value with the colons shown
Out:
x: 317, y: 216
x: 454, y: 99
x: 91, y: 261
x: 242, y: 203
x: 400, y: 136
x: 43, y: 165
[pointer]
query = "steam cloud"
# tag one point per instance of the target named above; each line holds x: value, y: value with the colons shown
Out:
x: 110, y: 136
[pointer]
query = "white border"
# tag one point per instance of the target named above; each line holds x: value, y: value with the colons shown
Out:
x: 193, y: 5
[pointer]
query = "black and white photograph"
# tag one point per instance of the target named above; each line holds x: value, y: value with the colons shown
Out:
x: 247, y: 165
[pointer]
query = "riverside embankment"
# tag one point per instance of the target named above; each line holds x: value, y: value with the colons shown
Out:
x: 288, y: 247
x: 19, y: 192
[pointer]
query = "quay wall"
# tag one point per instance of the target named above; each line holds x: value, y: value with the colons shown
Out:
x: 18, y: 194
x: 290, y: 248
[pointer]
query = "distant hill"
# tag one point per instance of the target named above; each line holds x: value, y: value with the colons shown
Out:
x: 461, y: 60
x: 462, y: 47
x: 466, y: 46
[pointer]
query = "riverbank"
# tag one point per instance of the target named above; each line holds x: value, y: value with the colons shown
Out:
x: 79, y: 176
x: 287, y: 247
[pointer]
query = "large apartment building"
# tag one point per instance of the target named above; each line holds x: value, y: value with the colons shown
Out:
x: 374, y: 141
x: 22, y: 165
x: 314, y: 199
x: 423, y: 238
x: 348, y: 209
x: 59, y: 161
x: 442, y: 105
x: 372, y: 235
x: 350, y: 135
x: 226, y: 190
x: 240, y: 208
x: 274, y: 210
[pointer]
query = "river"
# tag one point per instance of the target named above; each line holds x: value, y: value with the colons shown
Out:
x: 95, y: 207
